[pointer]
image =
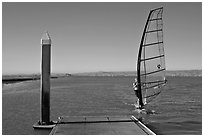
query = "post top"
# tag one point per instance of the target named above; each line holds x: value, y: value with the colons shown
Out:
x: 46, y: 40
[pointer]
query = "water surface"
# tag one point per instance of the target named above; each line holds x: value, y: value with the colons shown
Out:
x: 178, y: 109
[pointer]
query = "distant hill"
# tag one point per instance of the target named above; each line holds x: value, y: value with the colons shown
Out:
x: 196, y: 73
x: 102, y: 73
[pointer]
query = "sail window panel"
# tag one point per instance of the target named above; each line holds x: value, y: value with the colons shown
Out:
x: 158, y: 25
x: 153, y: 68
x: 153, y: 37
x: 153, y: 65
x: 157, y: 66
x: 151, y: 91
x: 153, y: 84
x: 154, y: 15
x: 152, y: 26
x: 152, y: 51
x: 162, y: 62
x: 150, y: 86
x: 151, y: 96
x: 157, y: 72
x: 157, y: 13
x: 152, y: 79
x: 155, y: 23
x: 160, y: 37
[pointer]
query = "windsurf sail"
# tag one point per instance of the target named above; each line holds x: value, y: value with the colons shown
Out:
x: 151, y: 59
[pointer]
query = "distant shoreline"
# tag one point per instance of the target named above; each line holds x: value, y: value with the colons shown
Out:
x: 8, y: 79
x: 16, y: 79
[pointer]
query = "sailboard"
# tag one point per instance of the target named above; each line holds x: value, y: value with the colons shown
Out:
x: 151, y: 59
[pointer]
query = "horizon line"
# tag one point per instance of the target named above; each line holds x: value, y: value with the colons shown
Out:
x: 37, y: 73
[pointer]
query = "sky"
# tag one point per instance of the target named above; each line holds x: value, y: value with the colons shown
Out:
x: 90, y: 37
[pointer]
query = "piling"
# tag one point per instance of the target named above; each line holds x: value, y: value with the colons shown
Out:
x: 45, y: 79
x: 45, y: 83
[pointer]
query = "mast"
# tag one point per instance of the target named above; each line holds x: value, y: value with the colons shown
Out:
x: 141, y: 104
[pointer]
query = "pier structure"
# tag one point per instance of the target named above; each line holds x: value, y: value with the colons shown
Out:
x: 100, y: 125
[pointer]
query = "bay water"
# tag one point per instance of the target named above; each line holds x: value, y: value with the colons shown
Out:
x: 177, y: 110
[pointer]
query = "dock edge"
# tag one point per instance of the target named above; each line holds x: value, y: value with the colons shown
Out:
x: 142, y: 126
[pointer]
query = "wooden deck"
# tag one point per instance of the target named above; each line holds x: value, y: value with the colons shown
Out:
x: 100, y: 126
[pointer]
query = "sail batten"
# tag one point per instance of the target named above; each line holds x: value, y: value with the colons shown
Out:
x: 155, y: 19
x: 155, y: 43
x: 156, y: 85
x: 151, y: 31
x: 160, y: 8
x: 152, y: 82
x: 152, y: 58
x: 152, y: 72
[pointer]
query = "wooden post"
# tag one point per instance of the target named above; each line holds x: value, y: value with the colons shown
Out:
x: 45, y: 84
x: 45, y: 79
